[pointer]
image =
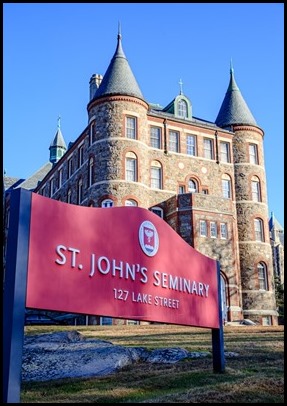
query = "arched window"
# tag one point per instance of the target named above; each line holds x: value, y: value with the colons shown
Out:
x: 258, y: 230
x: 226, y: 186
x: 156, y: 175
x: 131, y: 202
x: 80, y: 191
x: 255, y: 189
x: 192, y: 186
x: 182, y: 108
x: 262, y: 276
x: 107, y: 203
x: 91, y: 171
x: 131, y: 167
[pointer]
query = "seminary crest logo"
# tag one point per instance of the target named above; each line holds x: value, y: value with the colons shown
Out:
x: 148, y: 238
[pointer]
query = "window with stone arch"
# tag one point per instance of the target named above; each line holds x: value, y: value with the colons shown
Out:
x: 255, y: 189
x: 226, y: 186
x: 131, y: 167
x: 192, y: 186
x: 262, y: 276
x: 107, y: 203
x: 131, y: 203
x: 156, y: 175
x: 258, y: 230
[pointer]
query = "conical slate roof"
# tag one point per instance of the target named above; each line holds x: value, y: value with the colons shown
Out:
x: 119, y: 78
x: 234, y: 109
x: 58, y: 140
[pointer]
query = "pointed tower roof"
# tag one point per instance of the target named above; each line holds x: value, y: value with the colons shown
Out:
x: 58, y: 146
x: 119, y: 78
x: 234, y: 109
x: 58, y: 140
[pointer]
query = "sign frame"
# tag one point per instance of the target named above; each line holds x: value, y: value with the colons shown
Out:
x: 15, y: 294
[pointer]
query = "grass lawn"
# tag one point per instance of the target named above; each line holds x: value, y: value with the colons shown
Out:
x: 256, y: 375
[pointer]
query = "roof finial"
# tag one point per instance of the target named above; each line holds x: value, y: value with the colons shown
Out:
x: 119, y: 30
x: 180, y: 86
x: 231, y: 66
x: 59, y: 123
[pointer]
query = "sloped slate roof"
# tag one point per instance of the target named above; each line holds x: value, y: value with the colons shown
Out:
x: 119, y: 78
x: 10, y: 182
x: 31, y: 182
x: 234, y: 109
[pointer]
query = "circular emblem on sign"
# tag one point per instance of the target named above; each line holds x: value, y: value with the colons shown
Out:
x: 148, y: 238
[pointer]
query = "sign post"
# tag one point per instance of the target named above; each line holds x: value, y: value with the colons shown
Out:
x: 14, y: 296
x: 217, y: 334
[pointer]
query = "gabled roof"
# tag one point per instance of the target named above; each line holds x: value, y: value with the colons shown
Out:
x: 234, y: 109
x: 119, y: 78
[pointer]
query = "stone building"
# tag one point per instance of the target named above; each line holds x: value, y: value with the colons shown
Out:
x: 205, y: 179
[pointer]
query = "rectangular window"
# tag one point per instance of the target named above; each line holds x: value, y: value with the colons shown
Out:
x: 155, y: 137
x: 80, y: 155
x: 131, y: 169
x: 255, y: 191
x: 253, y: 154
x: 223, y: 231
x: 203, y: 228
x: 158, y: 211
x: 208, y: 148
x: 224, y: 152
x: 92, y: 135
x: 213, y: 229
x: 52, y: 186
x: 174, y: 141
x: 106, y: 321
x: 258, y: 227
x: 262, y: 278
x: 181, y: 190
x: 191, y: 145
x: 131, y: 127
x: 60, y: 177
x: 226, y: 190
x: 156, y: 178
x: 266, y: 321
x: 80, y: 191
x: 70, y: 167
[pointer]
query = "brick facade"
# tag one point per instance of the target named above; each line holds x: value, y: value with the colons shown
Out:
x: 105, y: 142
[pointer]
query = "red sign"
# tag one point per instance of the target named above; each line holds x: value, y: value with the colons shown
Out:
x: 122, y: 262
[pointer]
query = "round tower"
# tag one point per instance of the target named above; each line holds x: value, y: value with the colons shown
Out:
x: 119, y: 136
x: 257, y: 279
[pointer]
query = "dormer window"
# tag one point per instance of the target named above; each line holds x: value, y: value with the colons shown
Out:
x: 182, y: 108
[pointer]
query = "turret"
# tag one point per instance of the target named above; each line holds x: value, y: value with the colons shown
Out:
x: 251, y: 205
x: 58, y: 146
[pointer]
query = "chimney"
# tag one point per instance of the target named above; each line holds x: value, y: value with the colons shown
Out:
x: 95, y: 82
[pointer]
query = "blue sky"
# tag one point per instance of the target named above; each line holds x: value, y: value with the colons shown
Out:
x: 50, y: 51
